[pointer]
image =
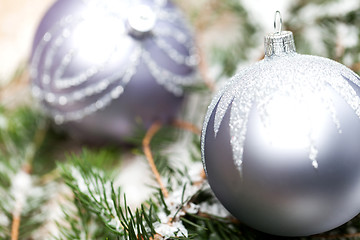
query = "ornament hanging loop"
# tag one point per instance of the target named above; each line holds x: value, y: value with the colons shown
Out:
x: 280, y: 42
x: 277, y: 22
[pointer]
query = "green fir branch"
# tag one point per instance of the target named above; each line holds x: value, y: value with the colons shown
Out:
x: 23, y: 195
x: 96, y: 193
x: 327, y: 26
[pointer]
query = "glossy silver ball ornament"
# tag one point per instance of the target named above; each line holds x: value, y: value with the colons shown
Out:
x: 281, y: 142
x: 102, y: 69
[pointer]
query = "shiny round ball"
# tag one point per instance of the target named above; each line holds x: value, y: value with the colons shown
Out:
x: 106, y: 69
x: 281, y: 145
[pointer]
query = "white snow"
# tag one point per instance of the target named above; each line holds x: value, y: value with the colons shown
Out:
x: 168, y: 230
x: 3, y: 122
x: 135, y: 178
x: 99, y: 192
x: 20, y: 190
x: 4, y: 221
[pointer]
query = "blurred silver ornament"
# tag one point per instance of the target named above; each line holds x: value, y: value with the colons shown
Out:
x: 281, y: 142
x: 102, y: 68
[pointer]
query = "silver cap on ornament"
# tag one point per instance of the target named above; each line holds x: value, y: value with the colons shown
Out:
x: 141, y: 20
x: 280, y: 42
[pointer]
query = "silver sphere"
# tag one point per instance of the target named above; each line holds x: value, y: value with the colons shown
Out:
x: 281, y: 144
x: 106, y: 70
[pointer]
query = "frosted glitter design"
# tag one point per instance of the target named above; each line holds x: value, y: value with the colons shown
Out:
x: 210, y: 110
x: 292, y: 75
x: 56, y: 87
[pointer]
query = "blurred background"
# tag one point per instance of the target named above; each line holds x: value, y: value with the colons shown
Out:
x: 18, y: 22
x: 321, y: 27
x: 19, y: 19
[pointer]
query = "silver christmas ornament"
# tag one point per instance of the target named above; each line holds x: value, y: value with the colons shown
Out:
x: 104, y: 68
x: 281, y: 142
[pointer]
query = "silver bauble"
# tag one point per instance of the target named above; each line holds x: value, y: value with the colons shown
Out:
x: 281, y: 142
x: 105, y: 69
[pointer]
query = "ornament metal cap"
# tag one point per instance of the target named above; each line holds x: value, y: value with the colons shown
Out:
x: 280, y: 42
x: 141, y: 20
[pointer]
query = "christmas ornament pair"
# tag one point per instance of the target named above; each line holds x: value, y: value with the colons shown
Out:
x: 280, y: 143
x: 103, y: 69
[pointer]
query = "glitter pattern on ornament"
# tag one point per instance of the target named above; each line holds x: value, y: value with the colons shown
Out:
x: 312, y: 100
x: 93, y: 37
x: 311, y: 94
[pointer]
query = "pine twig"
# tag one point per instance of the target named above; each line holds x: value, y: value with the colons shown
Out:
x: 16, y: 221
x: 27, y: 168
x: 18, y: 208
x: 187, y: 126
x: 355, y: 67
x: 146, y: 147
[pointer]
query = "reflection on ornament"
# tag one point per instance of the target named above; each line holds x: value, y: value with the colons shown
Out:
x: 280, y: 143
x: 87, y: 52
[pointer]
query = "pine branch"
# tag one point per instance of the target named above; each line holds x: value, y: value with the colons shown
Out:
x: 160, y: 217
x: 333, y: 31
x: 96, y: 193
x: 79, y: 223
x: 101, y: 211
x: 21, y: 135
